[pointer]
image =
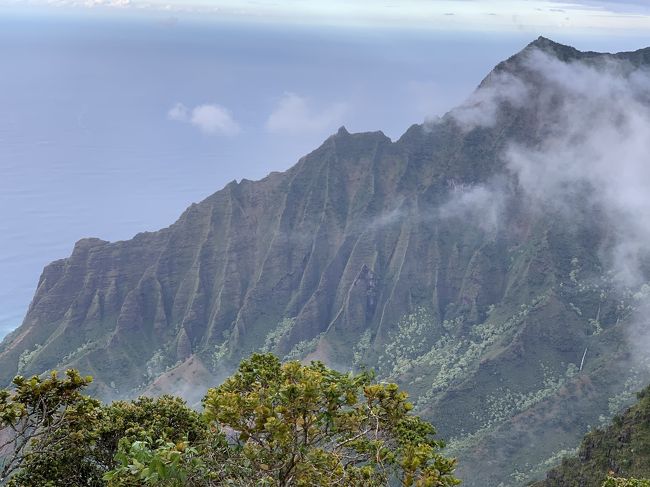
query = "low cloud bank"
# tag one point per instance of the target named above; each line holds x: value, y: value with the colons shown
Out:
x: 597, y: 149
x: 593, y: 119
x: 591, y: 155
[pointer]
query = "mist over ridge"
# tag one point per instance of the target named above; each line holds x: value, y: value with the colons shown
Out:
x: 492, y: 261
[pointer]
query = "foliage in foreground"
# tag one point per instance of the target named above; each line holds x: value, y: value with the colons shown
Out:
x: 269, y: 424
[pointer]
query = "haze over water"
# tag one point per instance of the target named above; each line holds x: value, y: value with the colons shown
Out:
x: 104, y: 129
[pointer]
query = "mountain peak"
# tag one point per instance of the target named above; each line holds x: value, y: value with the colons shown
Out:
x: 542, y: 41
x: 334, y: 258
x: 515, y: 63
x: 562, y: 51
x: 87, y: 243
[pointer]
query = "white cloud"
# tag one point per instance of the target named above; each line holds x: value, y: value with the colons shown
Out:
x: 214, y: 120
x: 629, y: 7
x: 582, y: 155
x: 91, y: 3
x: 486, y: 15
x: 211, y: 119
x: 589, y: 146
x: 481, y: 204
x: 178, y: 113
x: 594, y: 121
x: 294, y: 114
x: 481, y: 109
x: 390, y: 217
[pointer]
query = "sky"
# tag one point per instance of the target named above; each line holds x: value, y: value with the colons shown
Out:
x: 116, y: 115
x: 450, y: 15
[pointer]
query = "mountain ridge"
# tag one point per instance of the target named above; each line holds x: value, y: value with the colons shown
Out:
x: 420, y: 258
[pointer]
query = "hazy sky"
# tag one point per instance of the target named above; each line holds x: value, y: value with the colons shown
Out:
x: 113, y: 119
x: 484, y: 15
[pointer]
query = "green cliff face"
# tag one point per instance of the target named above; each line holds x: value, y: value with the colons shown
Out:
x: 420, y: 258
x: 622, y: 448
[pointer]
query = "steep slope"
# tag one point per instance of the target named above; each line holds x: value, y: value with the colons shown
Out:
x: 426, y: 259
x: 622, y: 448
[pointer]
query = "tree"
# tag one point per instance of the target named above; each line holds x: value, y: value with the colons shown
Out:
x: 40, y: 417
x: 86, y: 451
x: 310, y: 425
x: 269, y: 424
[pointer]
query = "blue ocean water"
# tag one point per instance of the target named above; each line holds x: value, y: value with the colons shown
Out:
x: 87, y: 149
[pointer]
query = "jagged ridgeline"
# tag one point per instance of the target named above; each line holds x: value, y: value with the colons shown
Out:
x: 447, y: 261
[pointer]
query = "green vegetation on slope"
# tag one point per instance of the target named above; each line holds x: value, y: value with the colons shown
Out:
x: 623, y: 482
x: 623, y: 449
